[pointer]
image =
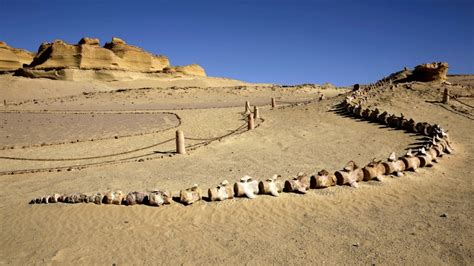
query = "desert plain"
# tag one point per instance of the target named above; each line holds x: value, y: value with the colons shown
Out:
x: 73, y: 136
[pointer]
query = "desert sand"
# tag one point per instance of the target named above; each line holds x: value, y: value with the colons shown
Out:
x: 68, y: 137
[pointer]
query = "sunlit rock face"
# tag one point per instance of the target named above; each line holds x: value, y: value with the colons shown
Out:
x: 12, y: 59
x: 430, y: 72
x: 436, y: 71
x: 87, y: 60
x: 194, y: 70
x: 88, y: 54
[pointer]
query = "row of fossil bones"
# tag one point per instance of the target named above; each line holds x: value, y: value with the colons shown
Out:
x: 438, y: 145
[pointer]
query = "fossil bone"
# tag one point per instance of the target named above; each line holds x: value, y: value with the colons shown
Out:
x: 394, y: 165
x: 374, y: 115
x: 136, y: 197
x: 246, y: 187
x: 383, y: 118
x: 98, y: 198
x: 409, y: 125
x: 412, y: 162
x: 54, y: 198
x: 358, y: 111
x: 426, y: 157
x: 322, y: 179
x: 396, y: 121
x: 271, y: 186
x: 444, y: 144
x: 374, y: 170
x: 113, y: 197
x: 350, y: 108
x: 298, y: 184
x: 222, y: 192
x: 366, y: 113
x: 158, y: 197
x: 190, y: 195
x: 350, y: 174
x: 423, y: 128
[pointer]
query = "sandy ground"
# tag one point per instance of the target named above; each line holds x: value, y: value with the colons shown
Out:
x: 16, y: 89
x: 45, y: 128
x: 397, y: 221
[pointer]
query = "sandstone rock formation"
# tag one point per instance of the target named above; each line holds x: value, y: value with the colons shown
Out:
x: 90, y: 41
x: 194, y: 70
x: 87, y: 54
x: 12, y: 59
x: 435, y: 71
x: 134, y: 58
x: 87, y: 60
x: 430, y: 72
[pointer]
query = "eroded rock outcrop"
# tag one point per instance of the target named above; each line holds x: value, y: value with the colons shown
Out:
x: 430, y: 72
x: 136, y: 59
x: 12, y: 59
x: 436, y: 71
x: 87, y: 60
x: 193, y: 69
x: 87, y: 54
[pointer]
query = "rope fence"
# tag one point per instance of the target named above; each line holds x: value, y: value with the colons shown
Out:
x: 170, y: 153
x: 253, y: 120
x: 86, y: 158
x: 178, y: 124
x: 457, y: 100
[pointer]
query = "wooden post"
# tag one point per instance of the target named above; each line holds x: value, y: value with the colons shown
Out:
x: 446, y: 96
x: 180, y: 149
x: 273, y: 103
x: 247, y: 107
x: 4, y: 102
x: 256, y: 113
x: 251, y: 122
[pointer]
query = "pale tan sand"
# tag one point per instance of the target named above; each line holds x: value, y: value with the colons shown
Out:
x: 394, y: 222
x: 59, y: 127
x: 13, y: 88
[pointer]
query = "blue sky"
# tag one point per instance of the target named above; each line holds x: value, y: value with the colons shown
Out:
x: 285, y: 42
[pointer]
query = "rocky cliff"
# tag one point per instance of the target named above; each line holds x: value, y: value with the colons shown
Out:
x: 88, y: 54
x: 87, y: 60
x: 193, y: 69
x: 436, y: 71
x: 431, y: 72
x: 12, y: 59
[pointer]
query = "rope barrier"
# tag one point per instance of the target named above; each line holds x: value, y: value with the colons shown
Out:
x: 85, y: 112
x: 85, y: 158
x: 178, y: 124
x: 297, y: 102
x: 77, y: 166
x: 456, y: 99
x: 118, y: 161
x: 220, y: 137
x: 138, y: 111
x: 205, y: 141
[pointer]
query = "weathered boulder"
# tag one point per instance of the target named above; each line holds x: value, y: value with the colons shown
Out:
x: 12, y: 59
x: 435, y: 71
